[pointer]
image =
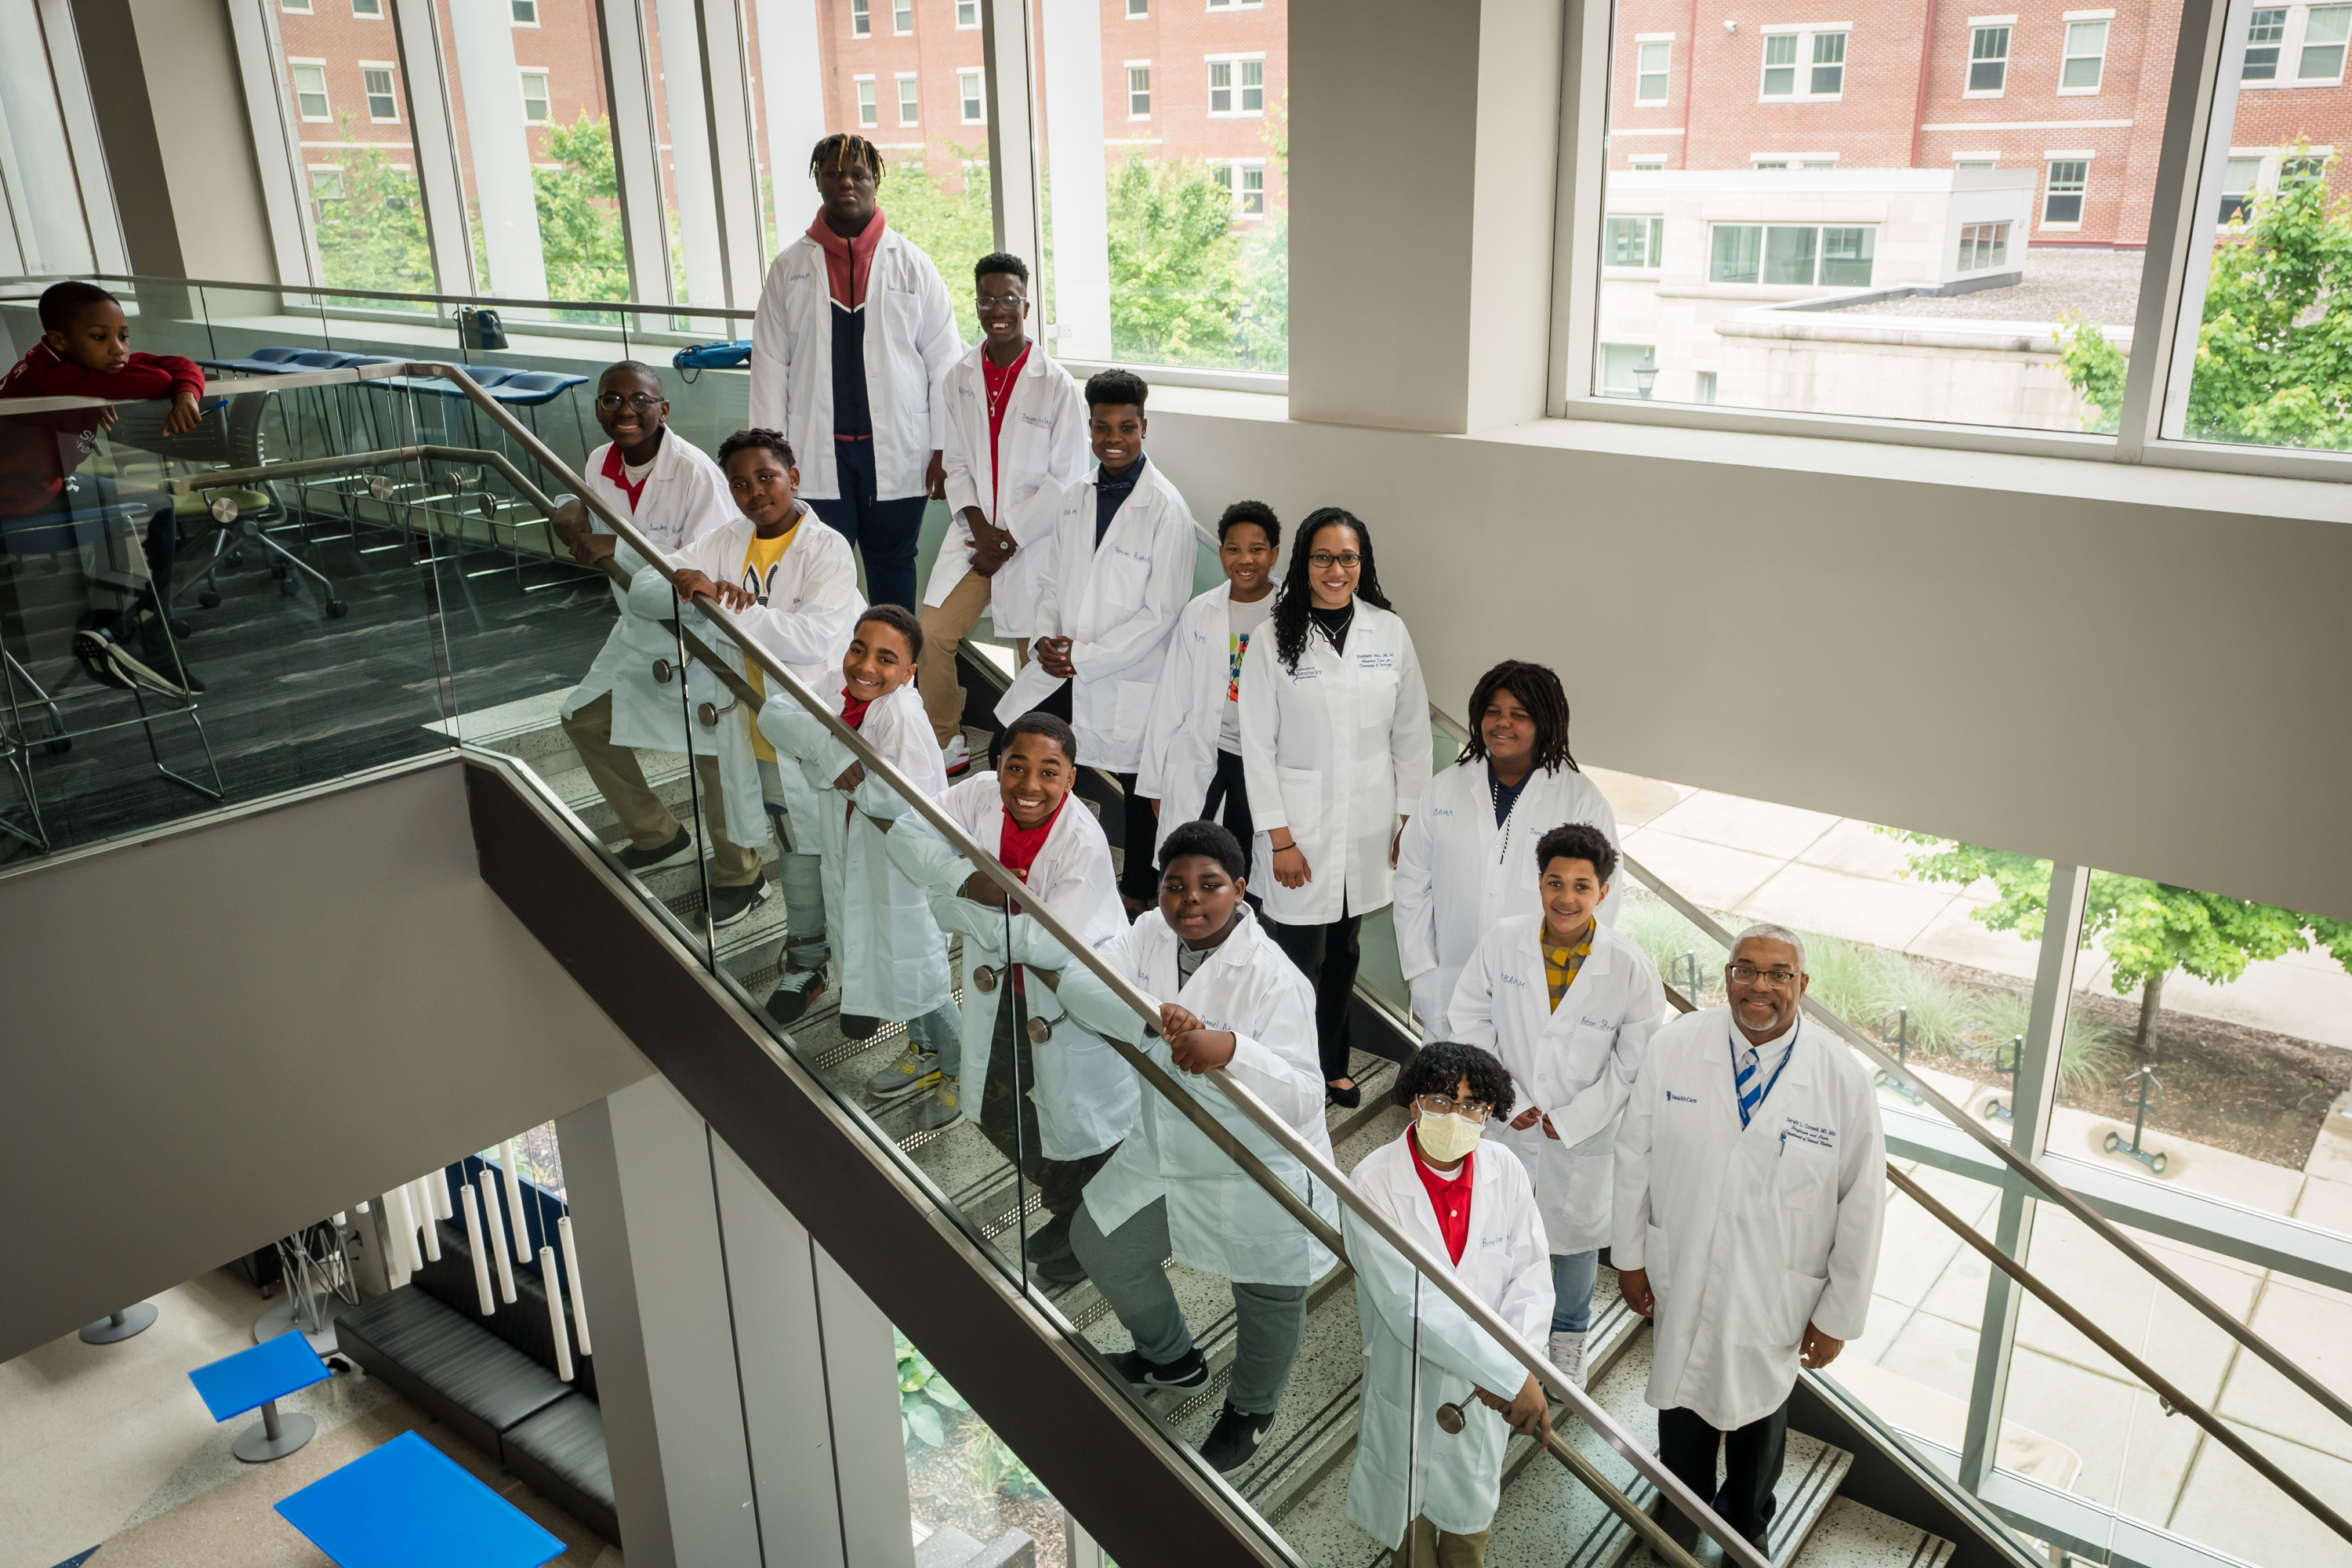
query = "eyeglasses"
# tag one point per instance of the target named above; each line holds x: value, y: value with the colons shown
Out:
x: 1323, y: 560
x: 1747, y: 975
x: 1446, y: 1105
x: 992, y: 305
x: 640, y: 401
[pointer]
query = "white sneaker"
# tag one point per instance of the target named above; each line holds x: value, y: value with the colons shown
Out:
x: 1568, y: 1354
x: 957, y: 755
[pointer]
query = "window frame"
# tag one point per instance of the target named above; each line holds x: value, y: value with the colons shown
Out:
x: 1978, y: 27
x: 2293, y: 44
x: 310, y: 181
x: 1804, y: 61
x: 902, y: 8
x: 2069, y: 21
x: 962, y: 6
x: 1653, y: 239
x: 1819, y: 252
x: 296, y: 7
x: 378, y: 14
x: 865, y: 96
x: 905, y: 81
x: 1643, y: 44
x: 861, y: 19
x: 547, y: 93
x: 2051, y: 164
x: 1633, y: 391
x: 1131, y: 68
x: 1228, y: 173
x: 294, y: 69
x: 964, y: 98
x: 1237, y: 86
x: 1992, y: 235
x: 1134, y: 15
x: 513, y: 20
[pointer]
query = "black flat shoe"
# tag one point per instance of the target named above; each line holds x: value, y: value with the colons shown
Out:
x: 1346, y: 1099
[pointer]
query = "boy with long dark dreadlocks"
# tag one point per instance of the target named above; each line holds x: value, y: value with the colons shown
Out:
x: 850, y: 354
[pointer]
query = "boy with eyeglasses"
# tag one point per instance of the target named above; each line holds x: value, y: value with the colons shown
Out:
x: 675, y: 495
x: 1016, y: 437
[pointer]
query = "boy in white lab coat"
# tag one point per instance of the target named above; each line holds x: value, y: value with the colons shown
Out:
x: 675, y: 495
x: 1463, y: 861
x: 1431, y: 1497
x: 893, y: 961
x: 1016, y: 437
x: 1119, y: 574
x: 1228, y: 999
x: 1568, y: 1005
x: 1057, y: 1105
x: 1192, y: 748
x: 1750, y: 1196
x: 792, y: 586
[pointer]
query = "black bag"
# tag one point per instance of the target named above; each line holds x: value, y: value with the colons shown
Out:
x: 479, y: 330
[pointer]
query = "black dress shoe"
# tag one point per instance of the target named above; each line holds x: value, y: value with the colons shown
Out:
x: 1346, y: 1099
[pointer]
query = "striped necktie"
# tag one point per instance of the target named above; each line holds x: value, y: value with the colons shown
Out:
x: 1750, y: 1084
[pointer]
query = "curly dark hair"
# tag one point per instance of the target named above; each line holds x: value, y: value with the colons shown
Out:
x: 841, y: 147
x: 744, y: 440
x: 1439, y: 1067
x: 1578, y: 841
x: 1209, y: 838
x: 1540, y: 693
x: 1116, y: 388
x: 997, y: 261
x: 1254, y: 511
x: 1290, y: 617
x: 899, y: 619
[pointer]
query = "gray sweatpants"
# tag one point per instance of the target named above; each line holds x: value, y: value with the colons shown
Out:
x: 1127, y: 1267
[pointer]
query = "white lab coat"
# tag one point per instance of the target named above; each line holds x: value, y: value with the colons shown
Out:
x: 1577, y: 1061
x: 1041, y: 450
x: 685, y: 496
x: 1085, y: 1095
x: 1747, y: 1233
x: 1457, y: 873
x: 910, y: 343
x: 1219, y: 1218
x: 1118, y: 605
x: 1181, y: 741
x: 1333, y: 751
x: 813, y: 605
x: 1405, y: 1465
x: 892, y: 959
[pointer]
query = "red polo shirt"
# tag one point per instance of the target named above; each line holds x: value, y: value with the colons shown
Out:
x: 1449, y: 1196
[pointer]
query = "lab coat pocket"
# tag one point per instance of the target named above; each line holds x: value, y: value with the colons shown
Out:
x: 1131, y: 707
x: 1778, y: 1325
x: 1302, y: 796
x: 1383, y: 1432
x: 1376, y: 691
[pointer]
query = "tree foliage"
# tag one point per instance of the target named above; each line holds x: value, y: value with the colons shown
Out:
x: 955, y: 228
x: 579, y: 203
x: 1175, y: 263
x: 2273, y: 361
x: 2148, y: 929
x: 371, y: 228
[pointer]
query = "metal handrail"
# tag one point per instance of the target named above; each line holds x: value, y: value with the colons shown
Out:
x: 490, y: 301
x: 2046, y: 1184
x: 780, y: 680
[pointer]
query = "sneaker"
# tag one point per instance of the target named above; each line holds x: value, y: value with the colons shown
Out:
x: 1568, y: 1354
x: 1189, y: 1372
x: 916, y: 1070
x: 165, y: 659
x: 795, y: 994
x: 1233, y: 1441
x: 957, y: 755
x: 729, y: 905
x: 1052, y: 1256
x: 89, y: 645
x: 670, y: 854
x: 859, y: 1026
x: 112, y: 663
x: 940, y: 1111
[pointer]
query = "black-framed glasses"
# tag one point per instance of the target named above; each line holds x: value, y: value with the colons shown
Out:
x: 1323, y: 560
x: 1446, y: 1105
x: 610, y: 402
x: 1747, y: 975
x: 1000, y: 305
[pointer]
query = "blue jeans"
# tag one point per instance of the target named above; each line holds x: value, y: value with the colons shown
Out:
x: 941, y: 1032
x: 800, y: 879
x: 884, y: 532
x: 1573, y: 1277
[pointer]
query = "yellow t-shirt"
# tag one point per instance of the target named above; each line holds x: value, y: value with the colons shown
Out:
x: 760, y: 558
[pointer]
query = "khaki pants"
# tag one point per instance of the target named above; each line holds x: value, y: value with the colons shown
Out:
x: 944, y: 628
x: 1426, y: 1546
x: 618, y: 778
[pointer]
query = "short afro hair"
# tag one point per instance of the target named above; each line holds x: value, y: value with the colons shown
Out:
x: 1116, y: 388
x: 1038, y: 722
x: 1205, y: 838
x: 61, y: 302
x: 1255, y: 511
x: 899, y: 619
x: 744, y: 440
x: 1439, y: 1067
x: 1578, y: 841
x: 999, y: 261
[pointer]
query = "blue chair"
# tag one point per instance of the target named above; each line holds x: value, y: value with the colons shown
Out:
x: 260, y: 361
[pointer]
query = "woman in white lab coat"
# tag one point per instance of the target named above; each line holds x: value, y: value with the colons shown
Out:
x: 1421, y: 1350
x: 1335, y: 745
x: 1574, y: 1051
x: 1750, y: 1237
x: 1463, y: 862
x: 893, y: 961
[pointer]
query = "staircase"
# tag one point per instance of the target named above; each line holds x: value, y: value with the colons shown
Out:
x: 1299, y: 1481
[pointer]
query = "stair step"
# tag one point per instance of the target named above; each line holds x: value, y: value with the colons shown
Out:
x: 1851, y: 1535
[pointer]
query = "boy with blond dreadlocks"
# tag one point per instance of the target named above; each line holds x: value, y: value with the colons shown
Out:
x: 850, y: 354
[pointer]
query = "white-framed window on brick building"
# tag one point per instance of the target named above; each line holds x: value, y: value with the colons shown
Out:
x: 869, y: 111
x: 1236, y: 5
x: 1988, y: 57
x: 902, y: 16
x: 310, y: 90
x: 967, y: 13
x: 326, y: 185
x: 2241, y: 178
x: 1653, y: 68
x: 975, y: 103
x: 1983, y: 245
x: 1138, y: 90
x: 1804, y: 64
x: 910, y: 100
x: 382, y: 102
x: 2296, y: 46
x: 1137, y: 9
x: 523, y: 13
x: 1236, y: 86
x: 2062, y: 191
x: 1243, y: 179
x: 1792, y: 255
x: 1647, y: 163
x: 299, y: 8
x: 2086, y: 61
x: 534, y: 96
x: 861, y: 19
x: 1637, y: 241
x: 371, y: 9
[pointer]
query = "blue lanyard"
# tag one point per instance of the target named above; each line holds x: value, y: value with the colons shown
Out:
x: 1786, y: 1052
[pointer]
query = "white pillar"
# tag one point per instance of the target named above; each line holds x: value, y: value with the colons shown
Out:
x: 791, y: 104
x: 1075, y: 170
x: 505, y: 204
x: 689, y: 127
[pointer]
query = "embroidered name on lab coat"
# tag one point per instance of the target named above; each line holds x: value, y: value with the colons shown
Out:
x: 1671, y: 1098
x: 1806, y: 1132
x: 1440, y: 811
x: 1306, y: 672
x: 1130, y: 554
x: 1508, y: 978
x: 1039, y: 420
x: 1598, y: 1022
x: 1376, y: 660
x: 1484, y: 1242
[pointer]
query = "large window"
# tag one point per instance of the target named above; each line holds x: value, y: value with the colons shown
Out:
x: 868, y: 113
x: 2062, y: 199
x: 909, y: 101
x: 310, y: 90
x: 1792, y: 255
x: 1988, y: 61
x: 1983, y: 246
x: 1237, y: 85
x: 1636, y: 241
x: 2086, y: 58
x: 382, y: 106
x: 1801, y: 65
x: 1138, y: 90
x: 1655, y: 70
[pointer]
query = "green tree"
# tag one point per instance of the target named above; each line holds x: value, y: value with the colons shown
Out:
x: 371, y: 224
x: 1263, y: 332
x: 2274, y: 361
x: 2148, y: 929
x: 1175, y: 274
x: 579, y: 203
x: 955, y: 228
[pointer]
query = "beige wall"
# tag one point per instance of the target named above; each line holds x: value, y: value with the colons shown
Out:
x: 206, y: 140
x: 223, y: 1032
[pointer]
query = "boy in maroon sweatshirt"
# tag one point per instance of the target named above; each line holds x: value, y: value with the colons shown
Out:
x: 84, y: 351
